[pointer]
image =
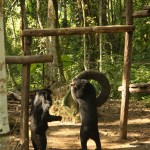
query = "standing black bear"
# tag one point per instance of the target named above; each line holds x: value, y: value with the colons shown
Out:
x: 84, y: 93
x: 40, y: 117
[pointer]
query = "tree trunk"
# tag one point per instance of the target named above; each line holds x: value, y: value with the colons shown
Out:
x: 84, y: 38
x: 54, y: 70
x: 9, y: 69
x: 13, y: 82
x: 4, y: 124
x: 38, y: 14
x: 104, y: 12
x: 100, y: 37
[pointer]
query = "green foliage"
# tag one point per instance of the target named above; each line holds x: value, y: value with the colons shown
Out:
x: 140, y: 73
x: 72, y: 47
x: 113, y: 71
x: 71, y: 68
x: 16, y: 73
x: 72, y: 55
x: 36, y: 76
x: 140, y: 41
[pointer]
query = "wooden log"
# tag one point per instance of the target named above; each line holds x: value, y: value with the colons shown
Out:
x: 146, y: 8
x: 14, y: 96
x: 77, y: 30
x: 139, y: 14
x: 126, y: 72
x: 142, y: 13
x: 139, y: 85
x: 137, y: 89
x: 28, y: 59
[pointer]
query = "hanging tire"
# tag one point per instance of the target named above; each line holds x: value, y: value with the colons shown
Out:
x: 103, y: 82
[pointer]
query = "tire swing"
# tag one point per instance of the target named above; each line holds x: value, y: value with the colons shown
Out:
x: 103, y: 82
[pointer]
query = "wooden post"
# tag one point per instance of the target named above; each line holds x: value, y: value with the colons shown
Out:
x: 126, y: 72
x: 24, y: 127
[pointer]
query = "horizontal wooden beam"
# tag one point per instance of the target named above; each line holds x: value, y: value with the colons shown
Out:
x: 28, y: 59
x: 139, y: 14
x: 77, y: 30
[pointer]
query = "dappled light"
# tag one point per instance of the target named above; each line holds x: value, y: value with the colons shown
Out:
x: 64, y: 135
x: 49, y: 43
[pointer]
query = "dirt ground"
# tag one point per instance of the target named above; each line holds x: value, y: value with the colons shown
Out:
x: 64, y: 135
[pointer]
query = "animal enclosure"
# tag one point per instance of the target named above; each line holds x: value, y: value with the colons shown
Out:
x: 27, y: 59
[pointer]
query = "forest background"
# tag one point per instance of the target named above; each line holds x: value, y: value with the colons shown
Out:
x: 72, y: 54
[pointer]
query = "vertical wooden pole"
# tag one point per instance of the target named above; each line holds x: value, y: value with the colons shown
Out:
x: 126, y: 72
x: 24, y: 127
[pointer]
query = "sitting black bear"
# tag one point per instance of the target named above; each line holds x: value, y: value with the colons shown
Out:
x: 85, y: 94
x: 40, y: 117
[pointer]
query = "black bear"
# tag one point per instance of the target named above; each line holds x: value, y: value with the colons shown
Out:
x: 85, y: 94
x: 40, y: 117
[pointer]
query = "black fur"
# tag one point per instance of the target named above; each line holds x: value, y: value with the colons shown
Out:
x: 84, y: 93
x: 40, y: 117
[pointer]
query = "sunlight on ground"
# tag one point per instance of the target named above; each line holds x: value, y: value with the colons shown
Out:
x: 66, y: 135
x: 139, y: 121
